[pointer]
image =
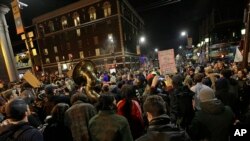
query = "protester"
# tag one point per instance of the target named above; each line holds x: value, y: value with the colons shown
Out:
x: 107, y: 125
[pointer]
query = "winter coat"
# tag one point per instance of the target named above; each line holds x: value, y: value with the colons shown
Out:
x: 160, y: 129
x: 212, y: 122
x: 108, y: 126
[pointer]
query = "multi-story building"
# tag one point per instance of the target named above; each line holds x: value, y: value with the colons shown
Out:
x: 220, y: 29
x: 104, y: 31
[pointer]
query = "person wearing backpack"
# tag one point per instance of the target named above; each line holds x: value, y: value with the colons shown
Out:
x: 16, y: 126
x: 160, y: 128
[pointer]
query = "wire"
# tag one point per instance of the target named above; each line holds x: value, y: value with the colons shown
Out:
x: 157, y: 4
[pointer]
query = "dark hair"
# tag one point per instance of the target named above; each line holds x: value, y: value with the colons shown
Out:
x: 198, y: 77
x: 128, y: 92
x: 227, y: 73
x: 106, y: 102
x: 28, y: 96
x: 58, y: 112
x: 16, y: 109
x: 77, y: 96
x: 155, y: 105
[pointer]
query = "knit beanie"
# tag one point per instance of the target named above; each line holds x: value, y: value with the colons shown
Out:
x: 206, y: 94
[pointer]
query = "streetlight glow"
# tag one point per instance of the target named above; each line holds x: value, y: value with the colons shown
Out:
x: 243, y: 31
x: 142, y: 39
x: 180, y: 47
x: 156, y: 49
x: 206, y: 40
x: 183, y: 33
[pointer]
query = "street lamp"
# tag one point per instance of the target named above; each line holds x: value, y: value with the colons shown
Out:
x: 156, y: 49
x: 180, y: 47
x: 243, y: 31
x: 142, y: 40
x: 183, y: 33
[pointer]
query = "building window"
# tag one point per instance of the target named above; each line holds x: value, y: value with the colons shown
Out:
x: 76, y: 18
x: 55, y: 49
x: 96, y: 41
x: 64, y: 22
x: 57, y: 59
x: 107, y: 9
x: 51, y: 26
x: 79, y: 42
x: 41, y: 30
x: 45, y: 51
x: 81, y: 54
x: 92, y: 13
x: 47, y: 60
x: 70, y: 56
x: 68, y: 45
x: 97, y: 52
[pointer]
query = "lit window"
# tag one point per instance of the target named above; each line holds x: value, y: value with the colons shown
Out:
x: 51, y: 26
x: 81, y: 54
x: 107, y: 9
x: 45, y: 51
x: 76, y: 18
x: 47, y: 60
x: 92, y: 13
x: 64, y: 22
x: 97, y: 52
x: 57, y: 59
x: 55, y: 49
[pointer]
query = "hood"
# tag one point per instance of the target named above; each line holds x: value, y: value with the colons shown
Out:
x: 214, y: 106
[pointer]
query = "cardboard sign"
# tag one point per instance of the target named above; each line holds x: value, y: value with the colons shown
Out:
x: 31, y: 79
x: 167, y: 61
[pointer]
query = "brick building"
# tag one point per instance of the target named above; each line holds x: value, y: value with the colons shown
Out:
x: 104, y: 31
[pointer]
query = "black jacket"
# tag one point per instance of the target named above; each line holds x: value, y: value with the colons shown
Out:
x: 160, y: 129
x: 31, y: 134
x: 212, y: 122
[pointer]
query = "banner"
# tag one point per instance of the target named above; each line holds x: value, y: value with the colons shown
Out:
x: 17, y: 17
x: 31, y: 79
x: 167, y: 61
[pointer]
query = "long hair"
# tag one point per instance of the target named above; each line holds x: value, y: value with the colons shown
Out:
x: 128, y: 92
x: 58, y: 112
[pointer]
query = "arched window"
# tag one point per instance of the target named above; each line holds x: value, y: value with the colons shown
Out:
x: 51, y: 26
x: 76, y: 19
x: 64, y: 22
x: 106, y: 9
x: 92, y: 13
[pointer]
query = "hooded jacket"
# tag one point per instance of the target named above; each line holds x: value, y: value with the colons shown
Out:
x: 212, y: 122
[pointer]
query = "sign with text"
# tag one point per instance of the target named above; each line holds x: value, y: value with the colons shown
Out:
x: 17, y: 16
x: 167, y: 61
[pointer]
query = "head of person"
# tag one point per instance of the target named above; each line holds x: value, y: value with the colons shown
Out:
x: 154, y: 106
x: 198, y: 77
x: 9, y: 95
x: 78, y: 97
x: 128, y: 91
x: 17, y: 110
x: 58, y: 112
x: 206, y: 94
x: 28, y: 96
x: 106, y: 102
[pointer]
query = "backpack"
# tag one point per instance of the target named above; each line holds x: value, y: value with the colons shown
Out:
x: 13, y: 134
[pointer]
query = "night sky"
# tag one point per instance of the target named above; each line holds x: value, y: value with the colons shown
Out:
x: 163, y: 24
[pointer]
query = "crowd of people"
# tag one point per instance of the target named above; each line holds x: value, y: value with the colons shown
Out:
x: 197, y: 103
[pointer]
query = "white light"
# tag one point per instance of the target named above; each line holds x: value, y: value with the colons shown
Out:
x: 183, y: 33
x: 198, y: 54
x: 142, y: 39
x: 110, y: 37
x: 65, y: 67
x: 206, y: 40
x: 180, y: 47
x: 199, y: 45
x: 243, y: 31
x: 156, y: 49
x: 202, y: 43
x: 192, y: 46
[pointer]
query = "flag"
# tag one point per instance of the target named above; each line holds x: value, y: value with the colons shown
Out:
x: 238, y: 56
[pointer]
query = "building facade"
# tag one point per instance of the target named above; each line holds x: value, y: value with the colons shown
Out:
x: 220, y: 30
x: 104, y: 31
